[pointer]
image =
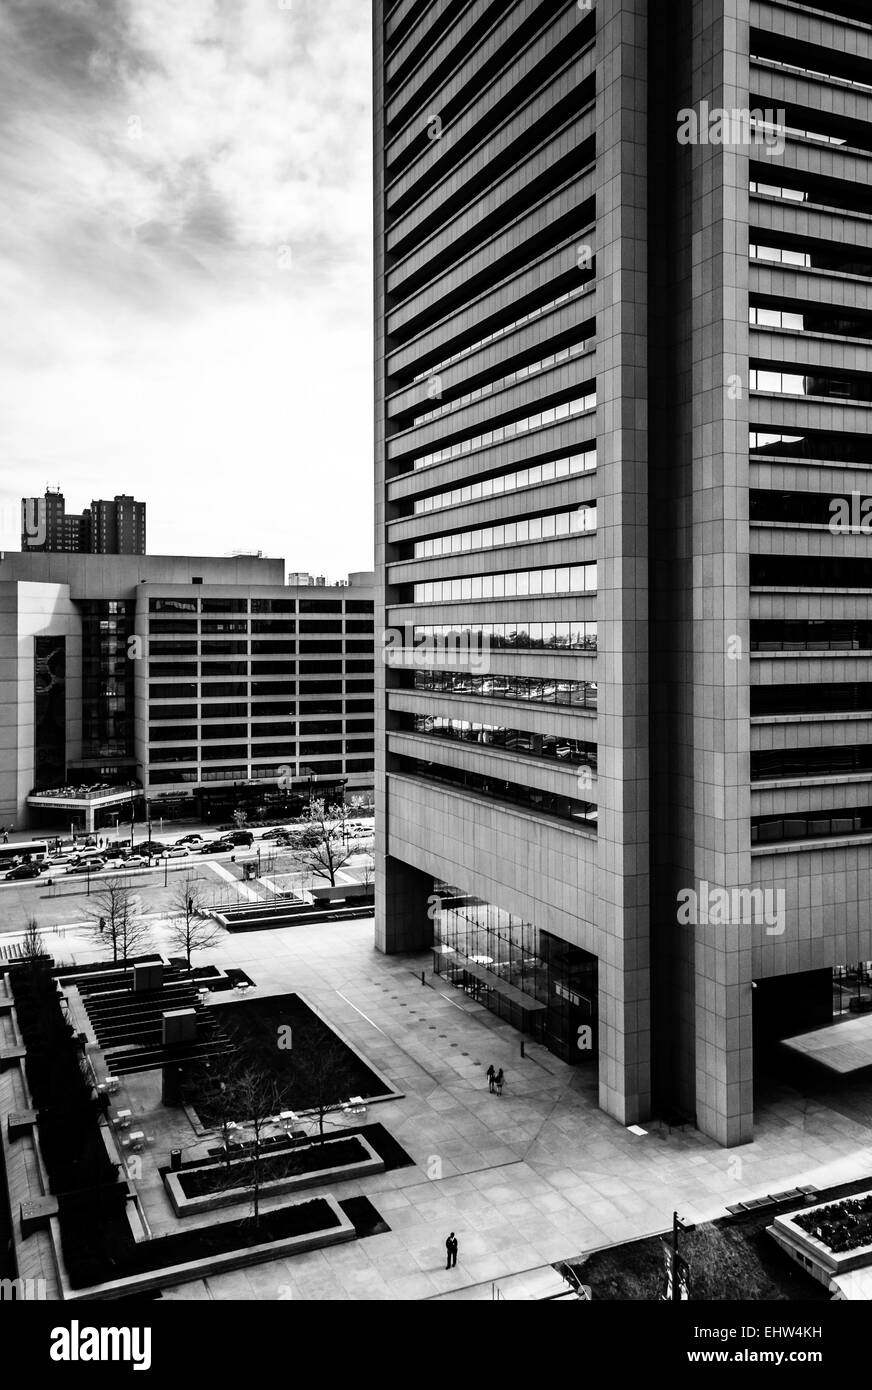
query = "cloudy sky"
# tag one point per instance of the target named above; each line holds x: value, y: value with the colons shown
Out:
x: 185, y: 274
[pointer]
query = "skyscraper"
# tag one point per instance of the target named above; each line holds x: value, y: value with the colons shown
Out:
x: 623, y: 262
x: 114, y: 527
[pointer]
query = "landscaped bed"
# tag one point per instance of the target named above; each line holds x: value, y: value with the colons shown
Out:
x: 336, y: 1153
x: 730, y: 1259
x: 297, y: 1068
x: 97, y: 1251
x: 843, y: 1226
x: 270, y: 1175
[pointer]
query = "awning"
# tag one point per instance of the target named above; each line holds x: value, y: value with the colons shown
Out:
x: 840, y: 1047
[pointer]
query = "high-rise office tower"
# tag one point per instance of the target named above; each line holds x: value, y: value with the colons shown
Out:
x: 624, y: 374
x: 115, y: 527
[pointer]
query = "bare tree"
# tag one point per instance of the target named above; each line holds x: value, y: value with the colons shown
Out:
x: 368, y: 871
x: 32, y: 942
x: 189, y: 928
x: 324, y: 1078
x: 326, y: 857
x: 253, y: 1098
x: 114, y: 919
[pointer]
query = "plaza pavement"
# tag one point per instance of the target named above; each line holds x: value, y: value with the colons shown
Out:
x: 534, y: 1176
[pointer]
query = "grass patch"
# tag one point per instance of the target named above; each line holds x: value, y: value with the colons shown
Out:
x: 731, y: 1259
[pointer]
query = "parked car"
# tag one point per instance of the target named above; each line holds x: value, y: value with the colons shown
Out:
x: 150, y: 847
x: 190, y: 840
x: 240, y: 837
x: 217, y: 847
x: 86, y: 866
x: 136, y: 861
x: 24, y: 871
x: 178, y: 852
x: 114, y: 862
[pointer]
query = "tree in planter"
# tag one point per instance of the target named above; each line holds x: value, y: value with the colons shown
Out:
x: 326, y: 856
x: 254, y: 1101
x: 189, y: 928
x: 211, y: 1084
x: 114, y: 919
x: 239, y: 818
x: 322, y: 1072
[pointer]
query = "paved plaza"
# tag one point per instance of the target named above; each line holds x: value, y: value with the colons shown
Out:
x: 534, y: 1176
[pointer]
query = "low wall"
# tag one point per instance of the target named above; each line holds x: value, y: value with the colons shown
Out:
x: 818, y: 1259
x: 294, y: 1182
x: 172, y: 1275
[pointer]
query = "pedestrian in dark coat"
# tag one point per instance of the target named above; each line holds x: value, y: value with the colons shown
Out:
x: 451, y: 1251
x: 491, y: 1073
x: 498, y: 1081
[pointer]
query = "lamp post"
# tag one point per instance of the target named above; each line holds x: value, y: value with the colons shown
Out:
x: 677, y: 1225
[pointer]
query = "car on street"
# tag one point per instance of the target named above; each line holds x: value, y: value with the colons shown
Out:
x: 86, y: 866
x: 178, y: 852
x: 59, y: 861
x: 114, y: 862
x: 275, y: 834
x: 217, y: 847
x: 150, y: 847
x: 24, y: 871
x: 240, y: 837
x: 137, y: 861
x: 190, y: 840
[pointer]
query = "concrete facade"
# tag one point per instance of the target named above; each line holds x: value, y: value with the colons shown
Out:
x: 214, y: 673
x: 557, y: 271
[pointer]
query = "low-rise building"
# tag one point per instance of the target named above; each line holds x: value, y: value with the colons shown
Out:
x: 205, y: 684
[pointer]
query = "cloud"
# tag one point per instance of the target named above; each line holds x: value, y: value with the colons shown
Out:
x: 185, y: 266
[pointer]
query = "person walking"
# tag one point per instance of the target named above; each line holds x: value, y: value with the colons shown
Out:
x: 498, y: 1081
x: 451, y: 1251
x: 491, y: 1073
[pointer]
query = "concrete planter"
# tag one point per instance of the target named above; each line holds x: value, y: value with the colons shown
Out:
x: 370, y: 1163
x: 172, y: 1275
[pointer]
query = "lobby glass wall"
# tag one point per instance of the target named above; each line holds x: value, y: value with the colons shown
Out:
x: 534, y: 980
x: 107, y: 691
x: 50, y: 711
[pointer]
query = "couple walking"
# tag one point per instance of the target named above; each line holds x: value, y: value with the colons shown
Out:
x: 495, y: 1080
